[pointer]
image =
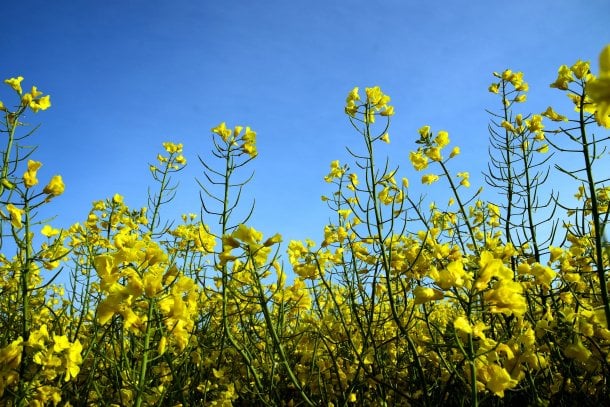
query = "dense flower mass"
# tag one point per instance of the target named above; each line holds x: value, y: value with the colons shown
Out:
x: 478, y: 301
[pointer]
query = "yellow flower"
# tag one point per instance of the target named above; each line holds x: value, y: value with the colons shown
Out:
x: 464, y: 179
x: 442, y: 139
x: 553, y: 115
x: 521, y: 98
x: 29, y: 177
x: 535, y: 123
x: 26, y: 99
x: 353, y: 95
x: 152, y: 281
x: 387, y: 197
x: 15, y: 215
x: 454, y: 152
x: 577, y: 351
x: 248, y: 235
x: 60, y: 342
x: 494, y: 87
x: 519, y: 120
x: 452, y: 276
x: 172, y: 148
x: 162, y: 345
x: 508, y: 126
x: 35, y: 93
x: 385, y: 138
x: 111, y: 304
x: 249, y: 143
x: 387, y: 111
x: 429, y: 179
x: 425, y: 294
x: 494, y: 210
x: 181, y: 160
x: 73, y: 360
x: 222, y: 131
x: 519, y: 84
x: 419, y: 161
x: 497, y: 379
x: 564, y: 77
x: 15, y: 83
x: 424, y: 132
x: 506, y: 297
x: 353, y: 177
x: 38, y: 338
x: 434, y: 153
x: 376, y: 97
x: 490, y: 267
x: 478, y: 330
x: 555, y: 252
x: 10, y: 355
x: 204, y: 240
x: 42, y: 103
x: 580, y: 69
x: 336, y: 171
x: 55, y: 187
x: 237, y: 130
x: 461, y: 324
x: 275, y: 239
x: 544, y: 275
x: 351, y: 108
x: 48, y: 231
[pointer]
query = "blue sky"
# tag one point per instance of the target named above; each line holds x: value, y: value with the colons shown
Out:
x: 125, y: 76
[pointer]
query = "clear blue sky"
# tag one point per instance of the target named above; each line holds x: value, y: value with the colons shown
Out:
x: 126, y: 76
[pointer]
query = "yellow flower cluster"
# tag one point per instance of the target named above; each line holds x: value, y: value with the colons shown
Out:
x: 33, y: 99
x: 431, y: 150
x: 515, y: 79
x: 376, y: 103
x: 591, y: 94
x: 336, y: 171
x: 398, y: 304
x: 244, y: 140
x: 528, y: 131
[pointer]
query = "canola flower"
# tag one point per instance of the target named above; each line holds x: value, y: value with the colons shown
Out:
x: 55, y: 187
x: 29, y: 177
x: 375, y: 104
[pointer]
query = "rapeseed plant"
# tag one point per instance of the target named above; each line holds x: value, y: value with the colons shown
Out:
x: 473, y: 303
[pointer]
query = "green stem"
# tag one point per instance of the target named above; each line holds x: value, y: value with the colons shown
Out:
x: 26, y: 246
x: 384, y: 255
x: 158, y: 203
x: 274, y: 336
x: 144, y: 364
x: 509, y: 169
x: 460, y: 204
x: 9, y: 146
x: 597, y: 227
x: 473, y: 372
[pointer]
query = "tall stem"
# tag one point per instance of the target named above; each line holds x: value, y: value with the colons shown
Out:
x: 597, y: 227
